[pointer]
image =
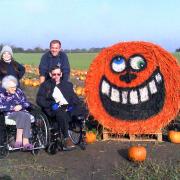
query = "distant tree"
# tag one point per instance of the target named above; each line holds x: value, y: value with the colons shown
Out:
x: 38, y: 50
x: 29, y: 50
x: 18, y: 50
x: 1, y: 45
x: 178, y: 50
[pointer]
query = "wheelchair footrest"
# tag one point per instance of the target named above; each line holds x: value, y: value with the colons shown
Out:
x: 21, y: 148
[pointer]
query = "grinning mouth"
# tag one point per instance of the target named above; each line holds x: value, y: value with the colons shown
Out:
x: 137, y: 103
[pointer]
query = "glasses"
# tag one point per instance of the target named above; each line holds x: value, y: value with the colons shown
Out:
x: 56, y: 74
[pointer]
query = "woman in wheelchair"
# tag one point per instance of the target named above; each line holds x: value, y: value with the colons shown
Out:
x: 13, y: 104
x: 55, y: 96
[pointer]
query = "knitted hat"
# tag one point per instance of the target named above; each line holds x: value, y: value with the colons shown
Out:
x: 6, y: 49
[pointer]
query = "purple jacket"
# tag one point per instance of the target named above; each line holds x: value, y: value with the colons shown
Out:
x: 9, y: 101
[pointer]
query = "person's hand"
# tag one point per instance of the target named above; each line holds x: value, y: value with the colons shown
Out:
x: 17, y: 108
x: 55, y: 106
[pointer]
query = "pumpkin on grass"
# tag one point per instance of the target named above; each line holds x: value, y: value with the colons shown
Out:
x: 174, y: 136
x: 90, y: 137
x: 137, y: 153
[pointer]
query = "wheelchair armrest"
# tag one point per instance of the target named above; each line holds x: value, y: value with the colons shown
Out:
x: 33, y: 107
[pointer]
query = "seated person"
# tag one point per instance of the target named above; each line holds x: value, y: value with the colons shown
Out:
x: 13, y: 104
x: 2, y: 125
x: 55, y: 96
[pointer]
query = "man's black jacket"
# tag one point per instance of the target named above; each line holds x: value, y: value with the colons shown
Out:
x: 44, y: 96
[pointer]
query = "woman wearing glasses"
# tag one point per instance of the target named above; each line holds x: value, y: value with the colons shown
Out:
x: 55, y: 96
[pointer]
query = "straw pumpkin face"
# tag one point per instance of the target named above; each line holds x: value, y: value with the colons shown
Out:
x: 133, y: 87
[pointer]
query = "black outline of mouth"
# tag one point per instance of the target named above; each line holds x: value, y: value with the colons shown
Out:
x: 139, y: 111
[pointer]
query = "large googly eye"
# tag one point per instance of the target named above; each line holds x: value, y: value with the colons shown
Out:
x: 118, y: 64
x: 137, y: 63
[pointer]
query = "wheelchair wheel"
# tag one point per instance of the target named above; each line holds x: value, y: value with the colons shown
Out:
x: 4, y: 152
x: 52, y: 148
x: 35, y: 151
x: 40, y: 129
x: 75, y: 132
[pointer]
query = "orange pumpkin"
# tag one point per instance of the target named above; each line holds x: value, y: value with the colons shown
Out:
x: 90, y: 137
x: 35, y: 83
x: 27, y: 82
x: 174, y: 136
x: 137, y: 153
x: 133, y: 88
x: 79, y: 90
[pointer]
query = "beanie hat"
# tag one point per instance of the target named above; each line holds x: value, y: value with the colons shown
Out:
x: 6, y: 49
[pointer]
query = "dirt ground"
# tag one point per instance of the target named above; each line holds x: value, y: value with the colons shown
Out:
x: 103, y: 160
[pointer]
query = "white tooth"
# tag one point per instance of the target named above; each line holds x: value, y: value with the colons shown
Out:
x: 105, y: 87
x: 158, y: 77
x: 124, y: 97
x: 133, y: 97
x: 115, y: 95
x: 152, y: 87
x: 144, y: 94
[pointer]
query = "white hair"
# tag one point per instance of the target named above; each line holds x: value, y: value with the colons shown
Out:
x: 9, y: 81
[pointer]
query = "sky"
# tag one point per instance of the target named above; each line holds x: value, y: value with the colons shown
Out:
x: 89, y: 23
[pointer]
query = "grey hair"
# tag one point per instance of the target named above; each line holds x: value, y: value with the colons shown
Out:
x: 6, y: 81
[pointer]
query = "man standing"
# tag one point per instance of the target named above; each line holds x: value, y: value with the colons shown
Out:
x: 54, y: 57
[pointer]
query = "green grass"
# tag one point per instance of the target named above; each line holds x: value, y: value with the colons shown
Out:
x: 177, y: 55
x: 77, y: 60
x: 149, y: 170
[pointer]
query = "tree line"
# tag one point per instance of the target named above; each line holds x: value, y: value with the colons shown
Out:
x: 41, y: 50
x: 76, y: 50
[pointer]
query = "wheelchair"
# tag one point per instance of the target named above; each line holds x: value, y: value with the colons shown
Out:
x: 39, y: 132
x: 76, y: 133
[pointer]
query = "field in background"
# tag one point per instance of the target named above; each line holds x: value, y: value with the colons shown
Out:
x: 77, y: 60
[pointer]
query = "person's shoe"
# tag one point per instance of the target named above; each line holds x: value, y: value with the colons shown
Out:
x: 68, y: 146
x: 28, y: 146
x: 17, y: 144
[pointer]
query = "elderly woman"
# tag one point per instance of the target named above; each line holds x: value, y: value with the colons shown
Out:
x: 13, y: 103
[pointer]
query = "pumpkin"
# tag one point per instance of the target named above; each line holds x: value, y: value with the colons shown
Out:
x: 27, y: 82
x: 79, y: 90
x: 174, y: 136
x: 137, y: 153
x: 36, y: 83
x: 133, y: 88
x: 90, y: 137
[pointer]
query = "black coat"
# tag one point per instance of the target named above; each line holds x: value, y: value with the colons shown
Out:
x: 8, y: 69
x: 44, y: 96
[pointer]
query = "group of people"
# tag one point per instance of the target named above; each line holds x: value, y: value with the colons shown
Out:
x: 55, y: 93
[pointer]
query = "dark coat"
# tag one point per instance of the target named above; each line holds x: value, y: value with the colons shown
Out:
x: 44, y: 96
x: 10, y: 70
x: 48, y: 61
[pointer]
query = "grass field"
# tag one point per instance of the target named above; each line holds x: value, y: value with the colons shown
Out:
x: 77, y: 60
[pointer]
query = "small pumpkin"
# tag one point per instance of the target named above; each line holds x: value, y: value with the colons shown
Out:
x: 79, y: 90
x: 26, y: 82
x: 174, y: 136
x: 137, y: 153
x: 90, y: 137
x: 35, y: 83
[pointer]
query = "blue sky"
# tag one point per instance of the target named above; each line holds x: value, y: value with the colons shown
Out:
x: 89, y: 23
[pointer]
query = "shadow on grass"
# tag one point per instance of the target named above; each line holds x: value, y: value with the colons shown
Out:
x: 123, y: 153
